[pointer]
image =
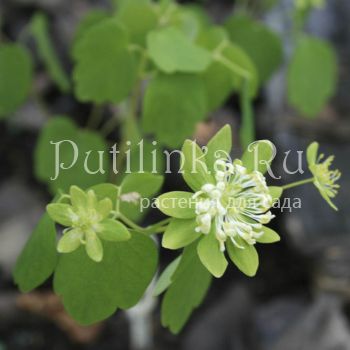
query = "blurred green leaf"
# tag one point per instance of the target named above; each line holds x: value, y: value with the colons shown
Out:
x: 172, y: 103
x: 40, y: 29
x: 312, y: 76
x: 15, y: 77
x: 62, y: 129
x: 263, y: 46
x: 173, y: 52
x: 139, y: 17
x: 105, y: 69
x: 38, y: 258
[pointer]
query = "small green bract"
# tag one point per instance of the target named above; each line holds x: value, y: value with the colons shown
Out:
x: 88, y: 220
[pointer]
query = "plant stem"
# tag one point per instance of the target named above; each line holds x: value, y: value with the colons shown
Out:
x: 297, y: 183
x: 247, y: 129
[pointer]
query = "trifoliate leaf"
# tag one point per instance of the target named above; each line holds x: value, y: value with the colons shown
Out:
x: 195, y: 171
x: 219, y: 147
x: 93, y: 291
x: 165, y: 279
x: 139, y: 17
x: 212, y: 258
x: 177, y: 204
x: 173, y: 52
x: 145, y: 186
x: 247, y: 259
x: 105, y: 70
x: 180, y: 233
x: 114, y: 231
x: 258, y: 156
x: 312, y: 76
x: 163, y: 113
x: 261, y: 44
x: 38, y: 258
x: 269, y: 236
x: 62, y: 143
x: 40, y: 29
x: 190, y: 283
x: 15, y: 77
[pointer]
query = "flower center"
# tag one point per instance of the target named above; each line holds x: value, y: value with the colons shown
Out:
x: 235, y: 207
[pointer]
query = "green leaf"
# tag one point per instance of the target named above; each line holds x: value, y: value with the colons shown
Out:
x: 15, y: 77
x: 262, y: 45
x: 275, y: 192
x: 195, y: 170
x: 189, y: 286
x: 212, y: 258
x: 312, y: 76
x: 88, y: 21
x: 163, y: 113
x: 241, y: 68
x: 247, y: 259
x: 165, y: 279
x: 146, y: 185
x: 139, y: 17
x: 39, y: 257
x: 173, y: 52
x: 180, y: 233
x: 62, y: 129
x: 259, y: 155
x: 219, y: 147
x: 105, y: 70
x: 269, y: 236
x: 114, y: 231
x: 177, y: 204
x: 39, y: 27
x: 93, y: 291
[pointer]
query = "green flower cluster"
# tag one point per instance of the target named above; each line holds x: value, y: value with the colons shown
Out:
x: 88, y: 221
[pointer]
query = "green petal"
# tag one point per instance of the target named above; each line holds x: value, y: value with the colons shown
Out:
x: 112, y: 230
x: 94, y: 248
x: 180, y: 233
x: 61, y: 213
x: 247, y: 259
x: 311, y: 153
x: 104, y: 207
x: 269, y: 236
x: 219, y: 147
x: 275, y: 192
x: 78, y: 197
x: 177, y: 204
x: 326, y: 197
x: 195, y: 171
x: 70, y: 241
x: 212, y: 258
x: 259, y: 156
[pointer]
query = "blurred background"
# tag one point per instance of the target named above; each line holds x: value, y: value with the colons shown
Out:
x: 299, y: 299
